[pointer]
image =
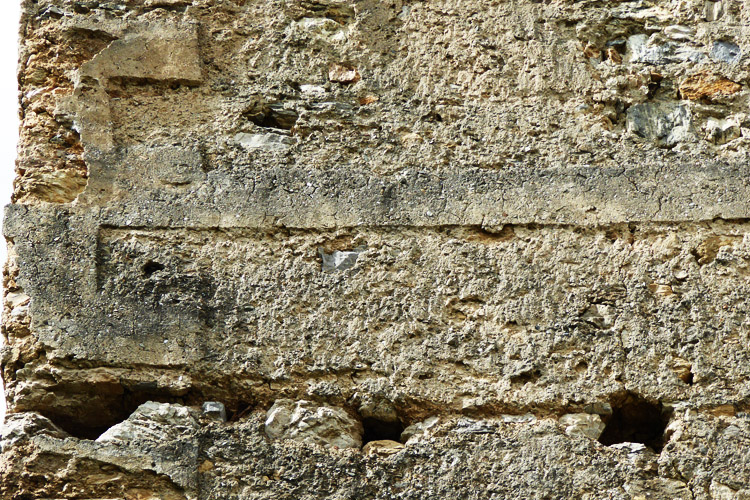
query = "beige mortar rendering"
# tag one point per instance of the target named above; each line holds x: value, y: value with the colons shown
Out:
x: 377, y: 249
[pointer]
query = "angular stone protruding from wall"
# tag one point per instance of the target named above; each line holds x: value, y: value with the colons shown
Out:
x: 307, y: 422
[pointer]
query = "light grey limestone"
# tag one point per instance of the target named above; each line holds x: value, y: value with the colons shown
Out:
x: 307, y: 422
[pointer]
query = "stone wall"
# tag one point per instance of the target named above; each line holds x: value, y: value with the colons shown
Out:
x: 379, y: 249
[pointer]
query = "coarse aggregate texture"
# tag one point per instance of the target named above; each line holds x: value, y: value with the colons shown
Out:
x: 328, y: 249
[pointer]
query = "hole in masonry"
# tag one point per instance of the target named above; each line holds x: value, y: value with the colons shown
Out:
x: 526, y: 376
x: 239, y: 412
x: 378, y: 430
x: 273, y: 116
x: 151, y: 267
x: 75, y: 428
x: 99, y: 412
x: 684, y: 372
x: 634, y: 419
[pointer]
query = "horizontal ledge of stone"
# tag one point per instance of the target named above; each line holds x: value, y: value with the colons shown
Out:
x: 19, y: 218
x: 316, y: 199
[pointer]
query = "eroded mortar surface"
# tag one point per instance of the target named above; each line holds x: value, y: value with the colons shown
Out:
x: 379, y: 249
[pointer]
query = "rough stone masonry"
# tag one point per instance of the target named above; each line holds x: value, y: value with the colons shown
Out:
x: 379, y: 249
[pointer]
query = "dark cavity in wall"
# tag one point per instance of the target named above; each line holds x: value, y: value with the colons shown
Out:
x: 99, y: 412
x: 151, y: 267
x: 272, y: 116
x: 635, y: 420
x: 239, y: 410
x: 378, y: 430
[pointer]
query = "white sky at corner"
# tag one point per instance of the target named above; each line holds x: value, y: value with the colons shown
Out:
x: 9, y: 16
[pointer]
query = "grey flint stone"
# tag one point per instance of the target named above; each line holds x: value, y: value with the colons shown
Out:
x: 215, y: 411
